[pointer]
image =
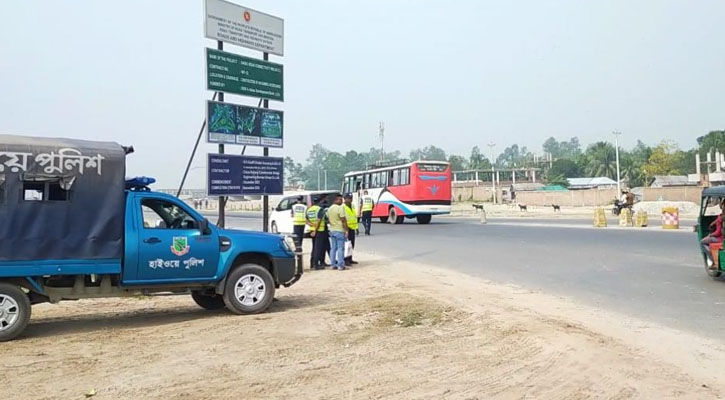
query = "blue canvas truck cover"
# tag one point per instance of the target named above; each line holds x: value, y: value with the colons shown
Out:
x: 61, y: 199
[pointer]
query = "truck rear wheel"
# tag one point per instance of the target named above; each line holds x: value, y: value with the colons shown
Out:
x: 249, y: 289
x: 14, y: 311
x: 208, y: 301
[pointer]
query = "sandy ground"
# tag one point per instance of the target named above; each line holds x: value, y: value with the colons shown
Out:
x: 385, y: 329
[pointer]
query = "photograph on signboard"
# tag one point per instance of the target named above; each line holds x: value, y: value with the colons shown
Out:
x: 237, y: 124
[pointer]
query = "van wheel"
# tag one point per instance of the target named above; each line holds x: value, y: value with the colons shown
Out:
x: 394, y: 218
x: 208, y: 301
x: 274, y: 227
x: 14, y: 311
x: 249, y: 289
x: 423, y: 219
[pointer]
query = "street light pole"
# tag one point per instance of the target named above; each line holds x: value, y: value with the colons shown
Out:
x: 493, y: 172
x: 616, y: 152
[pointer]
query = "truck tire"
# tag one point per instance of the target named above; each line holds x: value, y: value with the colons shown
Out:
x: 14, y: 311
x: 423, y: 219
x: 208, y: 301
x: 249, y: 289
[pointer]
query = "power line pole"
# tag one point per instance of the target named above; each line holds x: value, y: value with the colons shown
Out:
x: 381, y: 136
x: 616, y: 152
x: 493, y: 171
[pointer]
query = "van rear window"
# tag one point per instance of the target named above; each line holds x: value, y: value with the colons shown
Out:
x: 432, y: 167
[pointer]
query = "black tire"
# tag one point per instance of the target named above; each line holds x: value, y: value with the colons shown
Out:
x: 394, y: 218
x: 423, y: 219
x: 253, y: 276
x: 713, y: 273
x: 13, y: 301
x: 384, y: 219
x: 273, y: 228
x: 208, y: 301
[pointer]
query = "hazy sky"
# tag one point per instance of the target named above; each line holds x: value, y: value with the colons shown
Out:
x: 453, y: 74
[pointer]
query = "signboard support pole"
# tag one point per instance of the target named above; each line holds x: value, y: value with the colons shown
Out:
x: 222, y: 199
x: 265, y: 198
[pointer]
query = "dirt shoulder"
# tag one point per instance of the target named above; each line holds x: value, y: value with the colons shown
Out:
x: 386, y: 329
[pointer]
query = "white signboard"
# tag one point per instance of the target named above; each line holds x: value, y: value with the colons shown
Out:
x: 235, y: 24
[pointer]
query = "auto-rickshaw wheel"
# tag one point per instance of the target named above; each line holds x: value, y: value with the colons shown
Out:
x: 714, y: 273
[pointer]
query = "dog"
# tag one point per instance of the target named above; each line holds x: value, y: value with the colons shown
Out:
x: 522, y: 207
x: 556, y: 207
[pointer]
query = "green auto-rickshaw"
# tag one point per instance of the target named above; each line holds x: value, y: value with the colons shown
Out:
x: 710, y: 208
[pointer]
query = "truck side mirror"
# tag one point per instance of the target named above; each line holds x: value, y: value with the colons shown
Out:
x: 204, y: 227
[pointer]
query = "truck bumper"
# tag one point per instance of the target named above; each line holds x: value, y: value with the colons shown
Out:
x: 288, y: 270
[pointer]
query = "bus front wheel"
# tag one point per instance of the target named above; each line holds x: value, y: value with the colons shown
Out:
x: 423, y: 219
x: 394, y: 218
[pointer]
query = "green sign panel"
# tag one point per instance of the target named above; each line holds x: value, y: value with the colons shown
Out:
x: 231, y: 73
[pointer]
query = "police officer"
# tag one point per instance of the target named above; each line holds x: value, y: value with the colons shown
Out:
x: 351, y: 218
x: 318, y: 231
x: 299, y: 220
x: 366, y: 207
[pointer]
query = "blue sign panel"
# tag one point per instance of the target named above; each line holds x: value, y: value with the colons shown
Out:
x: 233, y: 175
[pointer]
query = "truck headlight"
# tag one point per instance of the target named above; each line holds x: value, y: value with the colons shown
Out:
x: 289, y: 244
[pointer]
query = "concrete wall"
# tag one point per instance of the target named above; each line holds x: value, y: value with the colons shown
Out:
x: 682, y: 193
x: 570, y: 198
x: 575, y: 198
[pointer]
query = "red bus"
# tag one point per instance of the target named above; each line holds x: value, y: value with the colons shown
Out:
x: 418, y: 189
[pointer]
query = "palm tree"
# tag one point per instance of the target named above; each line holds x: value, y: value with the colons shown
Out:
x: 601, y: 160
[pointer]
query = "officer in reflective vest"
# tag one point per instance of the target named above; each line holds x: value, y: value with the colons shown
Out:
x: 366, y: 210
x: 351, y: 217
x: 318, y: 231
x: 299, y: 220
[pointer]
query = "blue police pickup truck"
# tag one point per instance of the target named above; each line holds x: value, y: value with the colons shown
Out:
x: 72, y: 227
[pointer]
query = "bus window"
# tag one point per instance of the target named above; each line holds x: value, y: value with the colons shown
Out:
x: 396, y: 177
x: 384, y: 179
x: 405, y: 176
x: 374, y: 182
x: 366, y: 181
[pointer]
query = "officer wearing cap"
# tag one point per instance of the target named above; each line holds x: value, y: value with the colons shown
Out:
x: 352, y: 224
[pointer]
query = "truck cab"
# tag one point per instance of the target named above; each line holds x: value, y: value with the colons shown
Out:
x: 80, y: 230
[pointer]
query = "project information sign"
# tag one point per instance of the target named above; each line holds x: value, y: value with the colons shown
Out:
x: 242, y: 26
x: 232, y: 73
x: 233, y: 175
x: 237, y: 124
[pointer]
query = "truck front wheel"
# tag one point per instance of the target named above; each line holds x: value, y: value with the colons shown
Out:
x: 14, y: 311
x: 208, y: 301
x: 249, y: 289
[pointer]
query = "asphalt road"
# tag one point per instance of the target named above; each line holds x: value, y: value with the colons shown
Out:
x: 656, y: 276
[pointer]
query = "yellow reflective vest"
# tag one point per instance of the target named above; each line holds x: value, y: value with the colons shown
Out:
x: 351, y: 217
x: 299, y: 211
x: 367, y: 203
x: 312, y: 217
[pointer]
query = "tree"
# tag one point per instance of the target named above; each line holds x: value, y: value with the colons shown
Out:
x: 294, y: 172
x: 458, y: 163
x: 601, y: 160
x: 714, y: 140
x: 477, y: 160
x: 632, y: 164
x: 664, y: 160
x: 563, y: 149
x: 430, y: 153
x: 565, y: 168
x: 513, y: 156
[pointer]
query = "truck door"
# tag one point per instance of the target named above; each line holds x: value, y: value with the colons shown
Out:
x: 171, y: 244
